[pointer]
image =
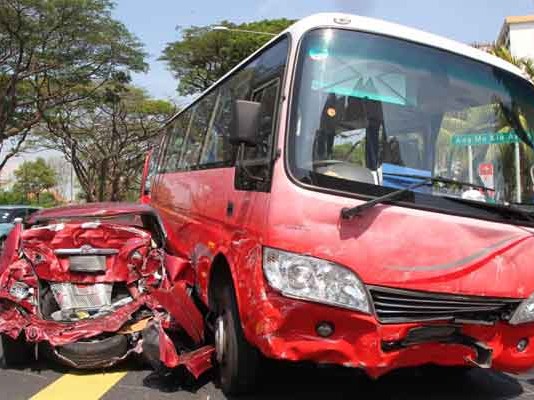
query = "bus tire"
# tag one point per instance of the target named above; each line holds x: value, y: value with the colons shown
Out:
x: 16, y: 352
x: 237, y: 360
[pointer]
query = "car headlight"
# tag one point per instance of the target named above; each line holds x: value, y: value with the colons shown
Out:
x: 524, y: 313
x: 20, y: 290
x: 314, y: 279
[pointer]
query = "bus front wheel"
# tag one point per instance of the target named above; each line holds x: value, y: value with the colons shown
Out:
x: 238, y: 361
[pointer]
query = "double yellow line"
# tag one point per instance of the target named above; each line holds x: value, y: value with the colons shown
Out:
x: 80, y: 386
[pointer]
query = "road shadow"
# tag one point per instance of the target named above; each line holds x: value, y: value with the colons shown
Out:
x: 178, y: 380
x: 295, y: 381
x: 305, y: 381
x: 45, y: 365
x: 290, y: 381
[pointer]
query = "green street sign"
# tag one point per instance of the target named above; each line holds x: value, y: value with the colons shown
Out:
x: 480, y: 139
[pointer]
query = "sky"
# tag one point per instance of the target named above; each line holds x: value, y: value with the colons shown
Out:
x: 157, y: 22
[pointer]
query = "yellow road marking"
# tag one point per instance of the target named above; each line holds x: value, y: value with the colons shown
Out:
x: 80, y: 387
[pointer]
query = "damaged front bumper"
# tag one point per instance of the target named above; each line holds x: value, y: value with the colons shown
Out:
x: 290, y: 329
x: 140, y: 327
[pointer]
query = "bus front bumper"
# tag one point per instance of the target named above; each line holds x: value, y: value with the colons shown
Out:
x: 290, y: 329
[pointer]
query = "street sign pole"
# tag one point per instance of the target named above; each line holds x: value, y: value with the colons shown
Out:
x: 470, y: 160
x: 518, y: 172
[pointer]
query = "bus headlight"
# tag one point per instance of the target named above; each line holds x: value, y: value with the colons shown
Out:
x: 524, y: 313
x: 313, y: 279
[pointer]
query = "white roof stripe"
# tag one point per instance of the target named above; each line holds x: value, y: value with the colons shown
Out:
x: 378, y: 26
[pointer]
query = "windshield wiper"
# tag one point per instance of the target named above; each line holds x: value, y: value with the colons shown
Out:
x: 441, y: 179
x: 349, y: 213
x: 502, y: 209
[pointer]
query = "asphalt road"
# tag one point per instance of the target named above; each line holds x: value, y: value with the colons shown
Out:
x: 132, y: 381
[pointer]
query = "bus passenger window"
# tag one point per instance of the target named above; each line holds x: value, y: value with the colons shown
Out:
x: 197, y: 132
x: 218, y: 151
x: 176, y: 141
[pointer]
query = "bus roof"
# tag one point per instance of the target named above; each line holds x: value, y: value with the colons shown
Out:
x: 373, y: 25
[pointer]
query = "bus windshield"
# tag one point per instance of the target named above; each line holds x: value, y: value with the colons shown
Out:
x: 372, y: 112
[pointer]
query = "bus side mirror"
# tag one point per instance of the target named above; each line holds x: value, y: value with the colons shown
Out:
x: 246, y: 121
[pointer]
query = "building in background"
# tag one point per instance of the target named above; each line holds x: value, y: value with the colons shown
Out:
x: 517, y: 35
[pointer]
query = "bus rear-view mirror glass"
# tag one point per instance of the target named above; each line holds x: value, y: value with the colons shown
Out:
x: 246, y: 119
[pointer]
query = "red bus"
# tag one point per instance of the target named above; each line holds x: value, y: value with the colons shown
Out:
x: 357, y: 193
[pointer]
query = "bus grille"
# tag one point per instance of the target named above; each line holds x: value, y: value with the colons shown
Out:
x: 398, y: 306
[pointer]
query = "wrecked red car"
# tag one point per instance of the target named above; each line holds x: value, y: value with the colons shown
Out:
x: 91, y: 285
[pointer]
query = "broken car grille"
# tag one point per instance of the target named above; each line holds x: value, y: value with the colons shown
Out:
x: 398, y: 306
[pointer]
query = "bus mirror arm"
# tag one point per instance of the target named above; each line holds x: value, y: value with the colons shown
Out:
x: 249, y: 174
x: 241, y: 166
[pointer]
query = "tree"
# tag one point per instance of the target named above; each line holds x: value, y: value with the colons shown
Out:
x: 106, y: 137
x: 525, y: 64
x: 55, y: 52
x: 33, y: 178
x: 507, y: 152
x: 203, y: 55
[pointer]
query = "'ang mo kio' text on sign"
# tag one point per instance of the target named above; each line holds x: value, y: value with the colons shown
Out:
x: 479, y: 139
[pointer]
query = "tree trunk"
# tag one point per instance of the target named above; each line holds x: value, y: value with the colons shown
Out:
x: 102, y: 180
x: 115, y: 190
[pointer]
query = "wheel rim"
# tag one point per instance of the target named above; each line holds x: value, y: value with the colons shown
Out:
x: 220, y: 340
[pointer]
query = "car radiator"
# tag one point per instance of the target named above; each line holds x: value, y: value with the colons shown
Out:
x: 70, y: 296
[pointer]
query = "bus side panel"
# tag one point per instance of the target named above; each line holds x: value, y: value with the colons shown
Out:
x: 208, y: 233
x: 207, y: 216
x: 171, y: 199
x: 246, y: 227
x: 192, y: 204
